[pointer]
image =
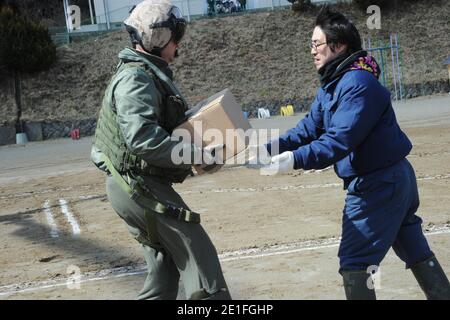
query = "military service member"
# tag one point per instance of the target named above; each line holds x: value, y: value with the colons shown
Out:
x: 133, y: 144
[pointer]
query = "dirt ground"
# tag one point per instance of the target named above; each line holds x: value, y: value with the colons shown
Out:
x: 277, y: 236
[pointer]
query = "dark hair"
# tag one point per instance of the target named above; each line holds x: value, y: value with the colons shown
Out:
x: 338, y: 29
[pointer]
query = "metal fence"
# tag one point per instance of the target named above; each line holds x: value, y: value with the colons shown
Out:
x: 388, y: 55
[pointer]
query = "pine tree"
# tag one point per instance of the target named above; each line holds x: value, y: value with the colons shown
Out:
x: 25, y: 48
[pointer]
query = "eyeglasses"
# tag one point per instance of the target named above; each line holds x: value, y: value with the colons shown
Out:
x: 176, y: 24
x: 314, y: 45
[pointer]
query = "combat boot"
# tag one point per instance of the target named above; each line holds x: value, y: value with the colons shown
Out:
x: 432, y: 279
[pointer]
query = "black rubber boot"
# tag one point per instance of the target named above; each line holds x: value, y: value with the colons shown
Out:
x: 355, y: 284
x: 432, y: 279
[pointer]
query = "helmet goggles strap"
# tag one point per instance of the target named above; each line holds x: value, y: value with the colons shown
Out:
x: 176, y: 23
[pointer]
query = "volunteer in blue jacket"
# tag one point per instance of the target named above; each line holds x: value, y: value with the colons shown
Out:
x: 352, y: 126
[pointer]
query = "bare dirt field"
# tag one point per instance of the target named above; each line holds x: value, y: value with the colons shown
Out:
x: 277, y: 236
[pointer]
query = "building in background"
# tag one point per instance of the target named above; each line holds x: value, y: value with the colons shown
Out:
x: 109, y: 14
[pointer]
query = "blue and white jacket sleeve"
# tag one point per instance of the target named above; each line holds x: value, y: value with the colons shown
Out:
x: 357, y: 113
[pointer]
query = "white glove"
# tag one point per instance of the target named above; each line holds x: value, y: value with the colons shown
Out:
x: 257, y: 156
x: 279, y: 164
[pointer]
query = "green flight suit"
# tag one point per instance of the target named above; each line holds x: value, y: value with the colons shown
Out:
x: 173, y: 249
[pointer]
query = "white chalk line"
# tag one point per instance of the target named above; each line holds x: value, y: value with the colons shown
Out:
x: 54, y: 231
x: 294, y: 187
x: 69, y: 216
x: 229, y: 190
x: 50, y: 220
x: 224, y: 190
x: 436, y: 177
x: 304, y: 246
x: 68, y: 282
x: 114, y: 273
x: 277, y: 253
x: 274, y: 188
x: 334, y: 243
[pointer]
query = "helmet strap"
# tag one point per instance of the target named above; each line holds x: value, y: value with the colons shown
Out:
x: 157, y: 50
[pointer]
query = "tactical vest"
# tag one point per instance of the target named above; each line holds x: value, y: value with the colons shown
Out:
x: 109, y: 140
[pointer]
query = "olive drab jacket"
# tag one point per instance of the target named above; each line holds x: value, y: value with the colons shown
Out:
x: 139, y: 112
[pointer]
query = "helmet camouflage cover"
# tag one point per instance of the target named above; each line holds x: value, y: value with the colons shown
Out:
x: 149, y: 13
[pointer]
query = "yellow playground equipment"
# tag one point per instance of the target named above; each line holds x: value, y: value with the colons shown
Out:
x: 287, y: 110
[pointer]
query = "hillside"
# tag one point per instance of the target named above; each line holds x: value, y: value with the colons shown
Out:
x: 262, y: 57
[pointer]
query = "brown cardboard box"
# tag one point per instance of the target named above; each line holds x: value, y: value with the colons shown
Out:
x: 224, y: 116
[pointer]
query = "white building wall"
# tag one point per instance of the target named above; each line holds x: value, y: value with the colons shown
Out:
x: 117, y: 9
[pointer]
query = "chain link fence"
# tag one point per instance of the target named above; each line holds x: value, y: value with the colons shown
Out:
x: 388, y: 55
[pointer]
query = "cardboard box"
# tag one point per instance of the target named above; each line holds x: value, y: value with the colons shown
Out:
x: 219, y: 115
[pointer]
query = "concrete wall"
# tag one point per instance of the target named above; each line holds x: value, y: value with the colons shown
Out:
x: 44, y: 130
x: 32, y: 129
x: 7, y: 134
x: 37, y: 131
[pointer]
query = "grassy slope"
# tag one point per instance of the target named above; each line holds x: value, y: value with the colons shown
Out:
x: 261, y: 57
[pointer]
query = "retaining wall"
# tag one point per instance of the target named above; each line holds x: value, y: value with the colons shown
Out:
x: 37, y: 131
